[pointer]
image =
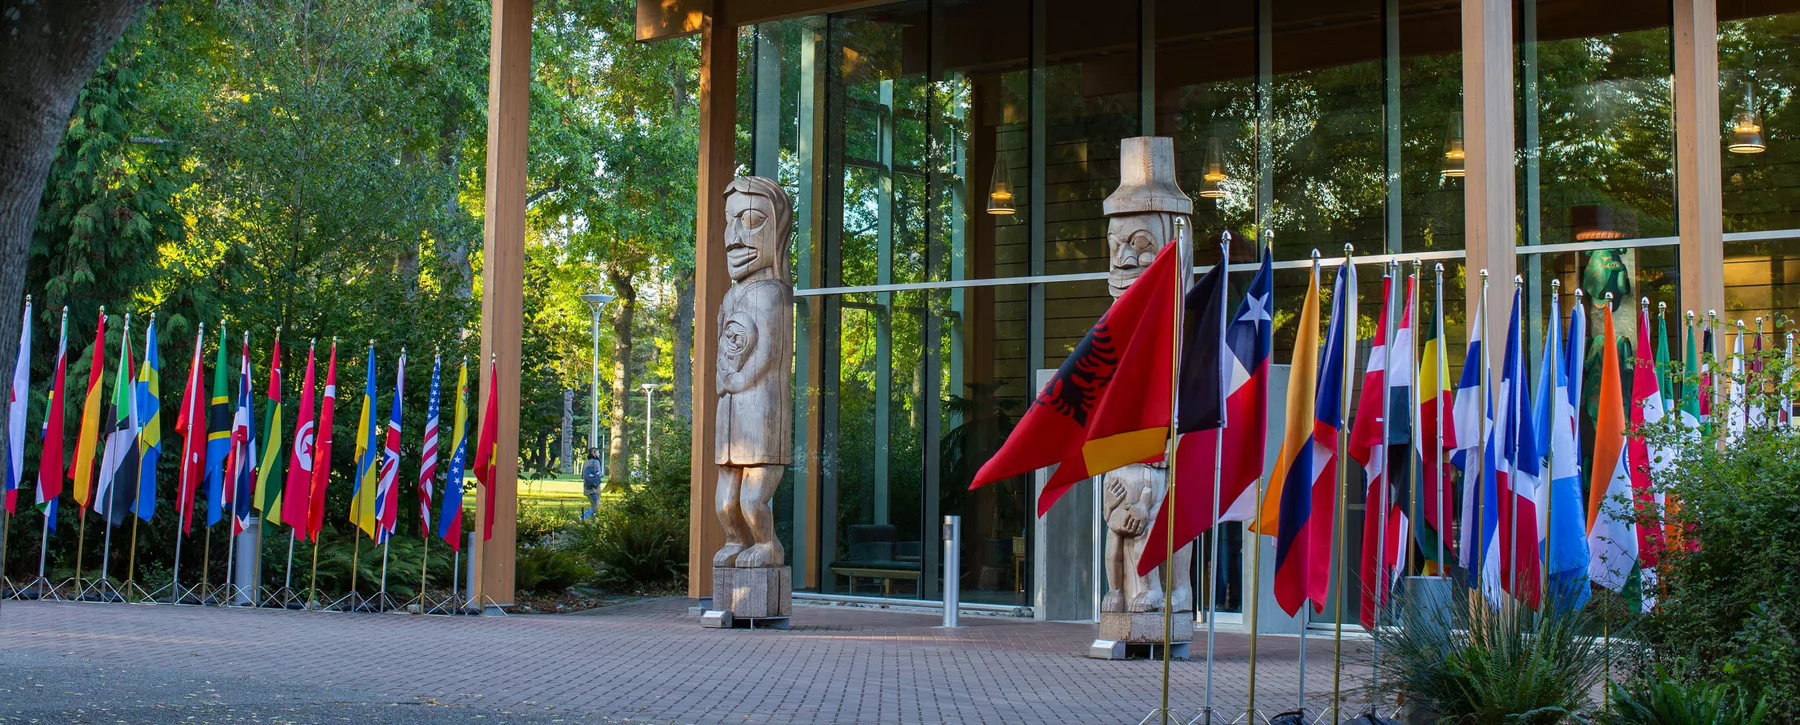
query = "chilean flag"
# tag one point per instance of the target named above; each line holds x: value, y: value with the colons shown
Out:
x: 1249, y: 339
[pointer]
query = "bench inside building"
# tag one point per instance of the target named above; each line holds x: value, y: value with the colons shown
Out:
x: 876, y: 558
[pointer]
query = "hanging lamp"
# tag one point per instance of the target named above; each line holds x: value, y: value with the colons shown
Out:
x: 1454, y: 154
x: 1000, y: 192
x: 1747, y: 126
x: 1215, y: 170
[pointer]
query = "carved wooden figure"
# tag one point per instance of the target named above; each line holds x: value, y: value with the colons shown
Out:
x: 756, y: 349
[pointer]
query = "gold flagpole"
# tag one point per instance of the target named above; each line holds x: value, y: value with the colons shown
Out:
x: 1255, y: 539
x: 80, y: 547
x: 1343, y: 484
x: 312, y: 585
x: 1168, y: 566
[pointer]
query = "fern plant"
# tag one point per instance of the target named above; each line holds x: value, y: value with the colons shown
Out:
x: 1669, y: 700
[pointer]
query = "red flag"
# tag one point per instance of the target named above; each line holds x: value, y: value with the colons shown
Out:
x: 191, y: 425
x: 50, y: 465
x: 1384, y: 522
x: 321, y: 462
x: 485, y: 455
x: 87, y: 437
x: 1057, y: 427
x: 294, y: 505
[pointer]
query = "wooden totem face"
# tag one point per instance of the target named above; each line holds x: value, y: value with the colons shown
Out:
x: 751, y: 236
x: 1132, y: 243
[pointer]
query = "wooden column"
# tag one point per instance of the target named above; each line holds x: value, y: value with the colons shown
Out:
x: 718, y: 144
x: 1698, y: 199
x: 503, y: 278
x: 1490, y: 191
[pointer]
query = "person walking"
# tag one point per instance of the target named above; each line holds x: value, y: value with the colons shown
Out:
x: 593, y: 475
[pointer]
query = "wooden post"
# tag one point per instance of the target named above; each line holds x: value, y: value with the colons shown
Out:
x: 503, y: 276
x: 718, y: 143
x: 1490, y: 193
x: 1698, y: 198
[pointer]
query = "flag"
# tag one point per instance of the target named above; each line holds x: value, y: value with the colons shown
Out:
x: 1054, y: 429
x: 1518, y: 468
x: 1709, y: 389
x: 320, y: 467
x: 1645, y: 458
x: 387, y: 492
x: 240, y: 468
x: 428, y: 453
x: 368, y: 458
x: 148, y: 409
x: 1691, y: 415
x: 1371, y: 439
x: 1611, y: 523
x: 1437, y: 425
x: 1480, y: 527
x: 1249, y: 340
x: 118, y: 458
x: 190, y: 423
x: 87, y: 437
x: 17, y: 406
x: 451, y: 514
x: 50, y: 463
x: 1787, y: 400
x: 295, y: 496
x: 1735, y: 408
x: 1301, y: 502
x: 1753, y: 400
x: 1562, y: 523
x: 486, y: 455
x: 1130, y: 423
x: 1663, y: 381
x: 218, y: 436
x: 268, y: 473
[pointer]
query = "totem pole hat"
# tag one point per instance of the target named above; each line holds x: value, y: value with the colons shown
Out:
x: 1147, y: 179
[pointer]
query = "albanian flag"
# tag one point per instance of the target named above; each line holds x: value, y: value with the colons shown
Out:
x: 1082, y: 420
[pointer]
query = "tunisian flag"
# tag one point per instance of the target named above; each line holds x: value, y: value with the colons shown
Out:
x: 1248, y: 343
x: 1081, y: 420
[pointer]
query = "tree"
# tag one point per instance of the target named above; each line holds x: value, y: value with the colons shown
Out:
x: 51, y: 51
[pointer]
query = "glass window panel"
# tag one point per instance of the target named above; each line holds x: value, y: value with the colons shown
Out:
x: 1759, y: 73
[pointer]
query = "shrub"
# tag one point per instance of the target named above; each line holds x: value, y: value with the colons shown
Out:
x: 544, y: 570
x: 1667, y: 700
x: 629, y: 551
x: 1469, y: 663
x: 1728, y: 586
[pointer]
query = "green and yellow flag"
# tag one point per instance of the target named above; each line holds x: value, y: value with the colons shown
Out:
x: 368, y: 459
x: 268, y: 471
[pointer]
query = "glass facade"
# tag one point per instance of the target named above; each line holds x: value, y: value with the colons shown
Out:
x: 948, y: 160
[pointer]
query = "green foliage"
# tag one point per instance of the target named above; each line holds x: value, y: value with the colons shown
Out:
x: 1667, y: 700
x: 544, y: 570
x: 1726, y: 611
x: 539, y: 522
x: 1473, y: 665
x: 632, y: 552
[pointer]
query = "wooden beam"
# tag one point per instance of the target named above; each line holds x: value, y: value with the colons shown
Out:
x: 1490, y: 193
x: 503, y: 277
x: 664, y: 19
x: 1698, y: 198
x: 718, y: 144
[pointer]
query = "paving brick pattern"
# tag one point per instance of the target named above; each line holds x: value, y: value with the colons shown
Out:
x: 652, y: 661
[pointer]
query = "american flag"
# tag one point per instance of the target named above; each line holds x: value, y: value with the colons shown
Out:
x: 429, y: 457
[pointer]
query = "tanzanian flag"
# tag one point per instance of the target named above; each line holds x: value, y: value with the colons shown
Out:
x: 218, y: 434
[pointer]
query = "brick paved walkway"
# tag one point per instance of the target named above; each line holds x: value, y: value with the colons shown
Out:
x: 652, y: 661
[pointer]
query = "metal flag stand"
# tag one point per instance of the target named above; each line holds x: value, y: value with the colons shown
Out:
x: 381, y: 602
x: 1254, y: 601
x: 102, y: 589
x: 1212, y: 596
x: 41, y: 586
x: 1163, y: 713
x: 285, y: 597
x: 354, y: 600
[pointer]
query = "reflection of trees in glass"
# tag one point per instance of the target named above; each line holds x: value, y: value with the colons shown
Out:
x: 1762, y: 191
x: 1607, y: 138
x: 1328, y: 153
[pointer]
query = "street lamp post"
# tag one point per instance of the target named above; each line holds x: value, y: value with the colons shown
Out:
x: 596, y: 302
x: 649, y: 390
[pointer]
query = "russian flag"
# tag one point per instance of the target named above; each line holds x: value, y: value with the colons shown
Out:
x: 1249, y: 339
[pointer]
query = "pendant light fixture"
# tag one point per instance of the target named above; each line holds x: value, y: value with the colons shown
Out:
x: 1592, y: 223
x: 1747, y: 126
x: 1000, y: 192
x: 1454, y: 155
x: 1215, y: 169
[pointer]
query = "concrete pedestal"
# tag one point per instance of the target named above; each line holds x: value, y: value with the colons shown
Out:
x: 1127, y: 634
x: 751, y: 598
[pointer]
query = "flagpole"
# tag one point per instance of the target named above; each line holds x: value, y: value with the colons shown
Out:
x: 131, y: 562
x: 287, y: 580
x: 1212, y: 576
x: 1383, y: 483
x: 1305, y: 608
x: 1168, y: 504
x: 312, y: 587
x: 381, y: 593
x: 1440, y: 374
x: 455, y: 578
x: 424, y: 571
x: 44, y: 551
x: 80, y: 543
x: 206, y: 564
x: 1343, y: 484
x: 175, y: 577
x: 1549, y: 472
x: 1512, y: 481
x: 355, y: 562
x: 105, y: 552
x: 1255, y: 539
x: 1415, y: 504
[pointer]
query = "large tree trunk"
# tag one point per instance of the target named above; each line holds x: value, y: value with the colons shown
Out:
x: 618, y: 464
x: 48, y: 51
x: 684, y: 348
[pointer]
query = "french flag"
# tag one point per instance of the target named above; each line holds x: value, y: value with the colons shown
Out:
x: 1249, y: 341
